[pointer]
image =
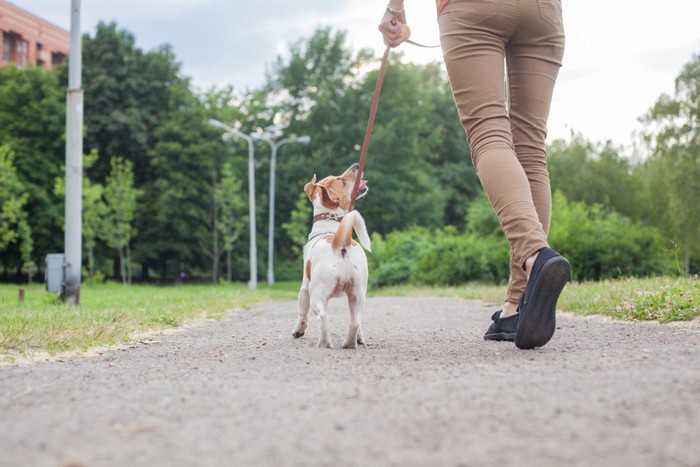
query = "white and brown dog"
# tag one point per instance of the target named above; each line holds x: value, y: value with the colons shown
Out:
x: 334, y: 264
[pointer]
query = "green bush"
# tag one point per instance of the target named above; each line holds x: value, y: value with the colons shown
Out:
x: 394, y: 257
x: 602, y: 244
x: 452, y: 258
x: 437, y: 257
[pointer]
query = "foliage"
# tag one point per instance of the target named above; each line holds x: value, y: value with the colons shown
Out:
x: 32, y: 125
x: 298, y: 227
x: 601, y: 244
x: 596, y: 173
x: 94, y: 209
x: 14, y: 226
x: 673, y: 171
x: 120, y: 198
x: 232, y: 217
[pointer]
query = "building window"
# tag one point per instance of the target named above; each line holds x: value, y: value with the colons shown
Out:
x: 6, y: 47
x: 22, y: 52
x: 57, y: 58
x: 40, y: 54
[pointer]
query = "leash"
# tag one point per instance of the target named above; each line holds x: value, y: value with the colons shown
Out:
x: 370, y: 121
x: 370, y: 126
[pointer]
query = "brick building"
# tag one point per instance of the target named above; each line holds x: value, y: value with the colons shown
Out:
x: 29, y: 40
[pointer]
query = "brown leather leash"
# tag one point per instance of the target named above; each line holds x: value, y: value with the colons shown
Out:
x: 370, y: 122
x: 370, y: 126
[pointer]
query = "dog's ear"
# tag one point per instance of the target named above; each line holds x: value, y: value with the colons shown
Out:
x: 310, y: 187
x: 329, y: 201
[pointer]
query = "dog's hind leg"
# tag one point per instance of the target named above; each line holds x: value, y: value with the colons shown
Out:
x: 319, y: 308
x: 355, y: 304
x: 303, y: 319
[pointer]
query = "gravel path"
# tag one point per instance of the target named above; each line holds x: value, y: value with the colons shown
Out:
x: 426, y: 390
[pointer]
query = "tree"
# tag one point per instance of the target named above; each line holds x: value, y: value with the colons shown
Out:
x: 94, y: 209
x: 298, y: 227
x: 120, y: 198
x: 231, y: 207
x: 126, y: 97
x: 32, y: 125
x: 14, y: 227
x: 595, y: 173
x: 673, y: 132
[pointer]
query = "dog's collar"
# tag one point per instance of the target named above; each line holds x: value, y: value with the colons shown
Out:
x: 330, y: 216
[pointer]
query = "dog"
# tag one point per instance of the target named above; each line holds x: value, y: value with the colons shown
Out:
x: 334, y: 264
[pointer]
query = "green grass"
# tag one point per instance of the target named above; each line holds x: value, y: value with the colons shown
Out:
x: 663, y: 298
x: 112, y: 313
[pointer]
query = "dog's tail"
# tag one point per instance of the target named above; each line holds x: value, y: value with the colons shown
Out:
x: 343, y: 237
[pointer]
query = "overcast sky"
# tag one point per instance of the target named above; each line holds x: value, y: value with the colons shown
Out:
x: 621, y: 54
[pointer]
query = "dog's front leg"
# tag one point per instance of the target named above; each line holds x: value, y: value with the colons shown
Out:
x: 303, y: 319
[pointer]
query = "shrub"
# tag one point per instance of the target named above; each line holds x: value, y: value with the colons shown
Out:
x: 602, y: 244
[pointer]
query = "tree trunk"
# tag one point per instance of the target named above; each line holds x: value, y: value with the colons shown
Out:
x: 122, y: 270
x: 229, y: 267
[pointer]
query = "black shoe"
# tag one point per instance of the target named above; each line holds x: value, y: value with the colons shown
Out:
x: 502, y: 329
x: 538, y: 304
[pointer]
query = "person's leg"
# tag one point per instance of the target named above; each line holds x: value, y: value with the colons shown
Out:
x: 473, y: 42
x: 534, y: 57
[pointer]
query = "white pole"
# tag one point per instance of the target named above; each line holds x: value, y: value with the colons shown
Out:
x: 74, y: 163
x: 253, y: 282
x: 274, y: 146
x: 271, y: 226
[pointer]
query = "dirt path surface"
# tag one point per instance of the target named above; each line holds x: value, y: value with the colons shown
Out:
x: 426, y: 390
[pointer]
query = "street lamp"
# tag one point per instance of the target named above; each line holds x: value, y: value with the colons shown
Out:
x: 253, y: 283
x: 274, y: 145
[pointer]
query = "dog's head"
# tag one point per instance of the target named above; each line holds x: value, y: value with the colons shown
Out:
x: 335, y: 191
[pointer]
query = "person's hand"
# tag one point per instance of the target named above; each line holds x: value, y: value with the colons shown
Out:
x: 393, y: 24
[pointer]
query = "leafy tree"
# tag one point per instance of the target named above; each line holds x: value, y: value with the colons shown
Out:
x: 93, y: 212
x: 32, y: 125
x: 595, y: 174
x: 176, y: 225
x: 674, y: 168
x: 298, y: 227
x: 126, y: 97
x: 120, y: 198
x: 14, y: 226
x: 232, y: 218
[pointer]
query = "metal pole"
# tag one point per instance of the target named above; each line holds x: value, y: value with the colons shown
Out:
x: 74, y: 164
x: 271, y: 226
x: 274, y: 146
x: 253, y: 282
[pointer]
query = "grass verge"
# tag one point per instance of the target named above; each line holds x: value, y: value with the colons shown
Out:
x: 112, y: 313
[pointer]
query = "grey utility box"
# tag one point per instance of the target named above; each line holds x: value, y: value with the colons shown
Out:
x: 55, y: 272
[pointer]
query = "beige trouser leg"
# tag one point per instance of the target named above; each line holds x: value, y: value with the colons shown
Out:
x: 508, y: 144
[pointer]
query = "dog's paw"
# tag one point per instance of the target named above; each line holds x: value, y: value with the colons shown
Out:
x: 324, y: 344
x: 297, y: 334
x: 350, y: 344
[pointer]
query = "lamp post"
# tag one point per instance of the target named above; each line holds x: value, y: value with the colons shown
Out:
x: 274, y: 146
x: 74, y: 164
x: 253, y: 283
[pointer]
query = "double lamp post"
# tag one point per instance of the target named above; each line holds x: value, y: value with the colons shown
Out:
x: 274, y: 146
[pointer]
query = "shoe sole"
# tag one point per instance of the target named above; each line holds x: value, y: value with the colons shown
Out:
x: 538, y: 320
x: 500, y: 336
